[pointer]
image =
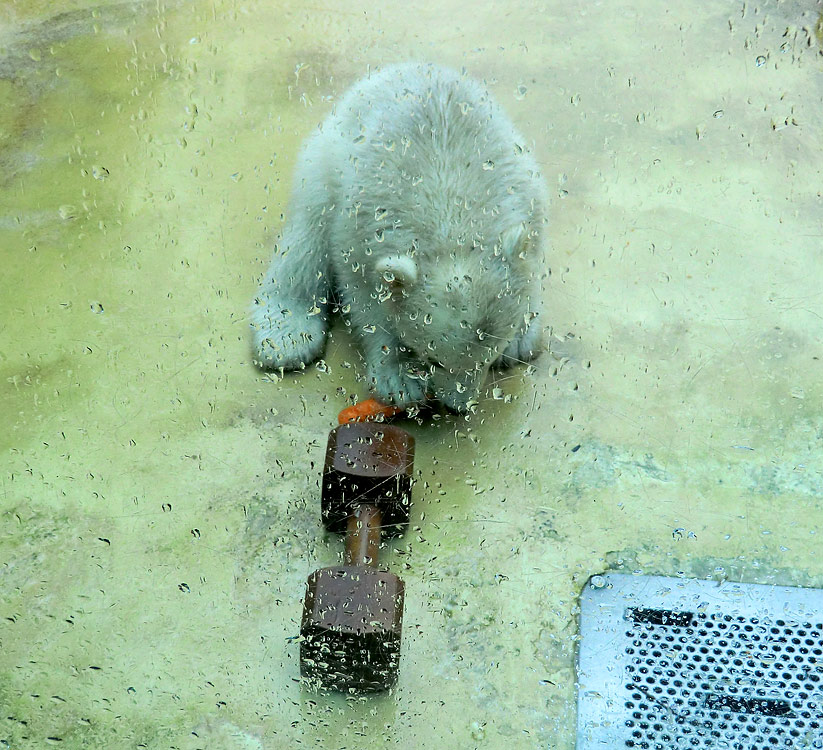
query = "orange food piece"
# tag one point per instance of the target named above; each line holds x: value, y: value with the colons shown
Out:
x: 366, y: 411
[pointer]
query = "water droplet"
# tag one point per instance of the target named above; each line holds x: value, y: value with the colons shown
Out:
x: 98, y: 172
x: 195, y: 533
x: 427, y: 319
x: 67, y: 212
x: 237, y: 176
x: 718, y: 113
x: 389, y: 145
x: 597, y: 582
x: 96, y: 307
x: 378, y: 235
x: 322, y: 366
x: 380, y: 213
x: 35, y: 54
x: 460, y: 387
x: 166, y: 507
x: 369, y: 329
x: 497, y: 393
x: 520, y: 92
x: 184, y: 587
x: 359, y: 139
x: 488, y: 165
x: 760, y: 61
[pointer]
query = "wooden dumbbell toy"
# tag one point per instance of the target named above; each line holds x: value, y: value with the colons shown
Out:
x: 353, y: 613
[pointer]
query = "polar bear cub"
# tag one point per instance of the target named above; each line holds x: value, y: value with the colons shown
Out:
x: 417, y: 212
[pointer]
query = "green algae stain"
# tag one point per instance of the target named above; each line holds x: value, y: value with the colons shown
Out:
x: 79, y: 132
x: 12, y: 119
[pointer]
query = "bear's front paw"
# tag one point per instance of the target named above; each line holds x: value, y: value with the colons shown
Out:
x: 287, y: 336
x: 396, y: 384
x: 524, y: 347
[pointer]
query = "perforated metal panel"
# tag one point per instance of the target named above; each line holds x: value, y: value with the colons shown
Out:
x: 670, y: 663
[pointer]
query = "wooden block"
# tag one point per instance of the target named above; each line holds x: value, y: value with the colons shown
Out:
x: 351, y: 628
x: 368, y: 463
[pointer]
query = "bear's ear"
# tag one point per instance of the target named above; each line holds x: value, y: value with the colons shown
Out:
x: 515, y: 241
x: 398, y: 271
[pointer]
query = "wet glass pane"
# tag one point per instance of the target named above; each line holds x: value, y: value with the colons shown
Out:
x: 575, y: 246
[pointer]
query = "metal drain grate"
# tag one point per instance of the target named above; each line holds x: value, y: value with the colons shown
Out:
x: 670, y: 663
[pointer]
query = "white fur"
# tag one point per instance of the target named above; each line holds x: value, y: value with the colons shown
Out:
x: 397, y: 270
x: 416, y: 206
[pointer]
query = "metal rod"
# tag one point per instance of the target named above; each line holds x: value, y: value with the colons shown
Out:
x: 363, y: 536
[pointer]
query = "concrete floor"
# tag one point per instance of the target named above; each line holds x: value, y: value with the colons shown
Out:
x: 159, y: 495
